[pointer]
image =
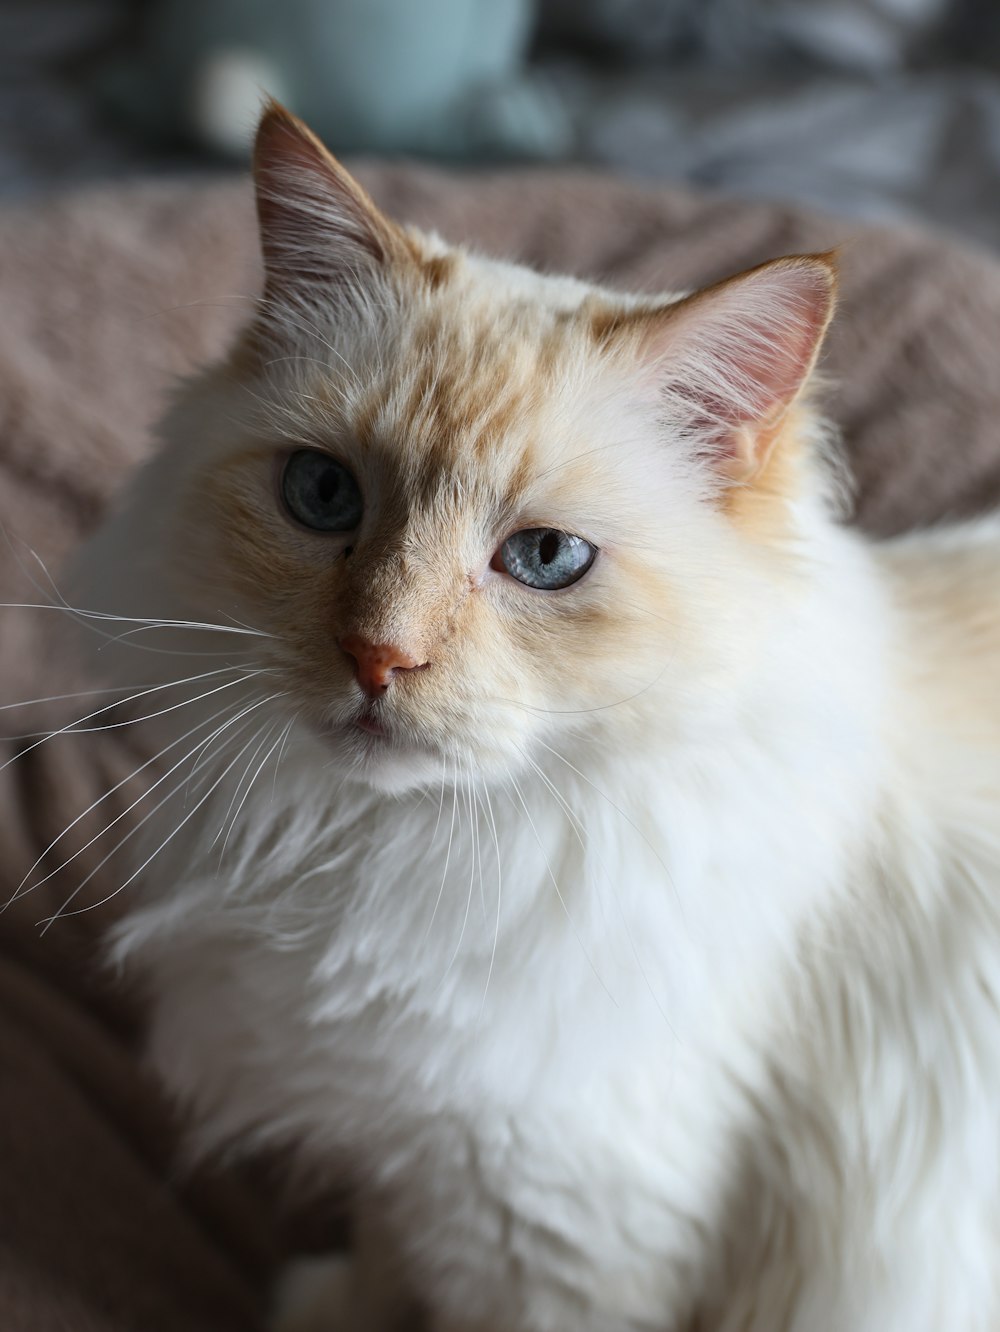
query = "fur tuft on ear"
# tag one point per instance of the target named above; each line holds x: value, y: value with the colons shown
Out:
x: 729, y: 361
x: 318, y: 227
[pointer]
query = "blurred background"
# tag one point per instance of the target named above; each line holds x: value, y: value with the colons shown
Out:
x: 880, y: 109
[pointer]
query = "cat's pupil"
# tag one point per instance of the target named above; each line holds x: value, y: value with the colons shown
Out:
x: 548, y: 547
x: 327, y: 486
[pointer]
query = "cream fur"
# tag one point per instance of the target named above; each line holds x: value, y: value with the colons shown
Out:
x: 654, y: 976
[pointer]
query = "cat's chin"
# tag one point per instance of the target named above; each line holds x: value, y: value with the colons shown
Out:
x: 396, y: 772
x: 373, y: 759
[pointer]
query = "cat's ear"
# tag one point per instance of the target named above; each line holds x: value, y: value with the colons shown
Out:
x: 319, y: 230
x: 729, y: 361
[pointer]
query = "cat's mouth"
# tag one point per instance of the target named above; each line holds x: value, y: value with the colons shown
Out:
x: 371, y: 731
x: 369, y: 722
x: 375, y: 745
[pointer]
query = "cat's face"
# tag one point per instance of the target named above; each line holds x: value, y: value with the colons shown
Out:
x: 481, y: 512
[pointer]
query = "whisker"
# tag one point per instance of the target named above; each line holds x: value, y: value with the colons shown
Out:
x: 79, y: 693
x: 570, y: 813
x: 19, y: 890
x: 267, y: 735
x: 253, y: 779
x: 118, y: 845
x: 630, y: 821
x: 496, y: 925
x: 437, y: 821
x: 472, y: 880
x: 142, y: 621
x: 247, y: 628
x: 128, y: 634
x: 261, y: 737
x: 62, y: 604
x: 447, y: 857
x: 63, y: 914
x: 478, y: 849
x: 281, y: 753
x: 582, y: 712
x: 474, y: 856
x: 84, y: 614
x: 210, y: 755
x: 477, y: 840
x: 74, y: 727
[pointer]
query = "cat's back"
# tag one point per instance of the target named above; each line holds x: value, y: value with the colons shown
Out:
x: 945, y: 585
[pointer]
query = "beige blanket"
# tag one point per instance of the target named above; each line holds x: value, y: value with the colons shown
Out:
x: 104, y: 299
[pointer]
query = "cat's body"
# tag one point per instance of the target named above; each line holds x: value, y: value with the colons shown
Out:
x: 667, y: 995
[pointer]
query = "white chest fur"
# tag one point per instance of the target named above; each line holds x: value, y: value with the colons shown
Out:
x: 548, y: 1058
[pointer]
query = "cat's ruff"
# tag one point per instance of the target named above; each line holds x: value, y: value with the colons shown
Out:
x: 646, y: 966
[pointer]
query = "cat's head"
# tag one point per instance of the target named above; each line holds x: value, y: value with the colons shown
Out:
x: 481, y: 511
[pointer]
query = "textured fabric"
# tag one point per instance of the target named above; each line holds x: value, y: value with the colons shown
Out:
x: 106, y: 298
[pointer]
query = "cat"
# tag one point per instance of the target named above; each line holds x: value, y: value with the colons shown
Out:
x: 577, y: 837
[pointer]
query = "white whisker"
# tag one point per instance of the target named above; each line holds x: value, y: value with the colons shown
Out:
x: 582, y: 712
x: 261, y: 737
x: 129, y: 634
x: 78, y: 693
x: 249, y: 788
x: 467, y: 784
x: 210, y: 755
x: 159, y: 805
x: 63, y: 914
x: 631, y: 822
x: 74, y: 727
x: 85, y: 616
x: 496, y: 926
x: 479, y: 850
x: 277, y: 762
x: 447, y: 858
x: 156, y: 758
x: 437, y: 821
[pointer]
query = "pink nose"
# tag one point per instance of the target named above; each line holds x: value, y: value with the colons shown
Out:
x: 376, y: 663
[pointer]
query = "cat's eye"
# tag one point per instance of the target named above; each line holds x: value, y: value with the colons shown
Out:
x: 320, y: 492
x: 545, y: 558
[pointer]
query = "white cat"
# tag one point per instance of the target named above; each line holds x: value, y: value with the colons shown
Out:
x: 576, y: 837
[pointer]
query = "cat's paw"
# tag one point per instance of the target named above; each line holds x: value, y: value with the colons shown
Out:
x: 314, y: 1295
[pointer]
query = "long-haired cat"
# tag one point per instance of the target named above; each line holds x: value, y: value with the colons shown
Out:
x: 568, y: 830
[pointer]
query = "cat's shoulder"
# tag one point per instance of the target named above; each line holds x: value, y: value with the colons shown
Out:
x: 949, y: 575
x: 945, y: 584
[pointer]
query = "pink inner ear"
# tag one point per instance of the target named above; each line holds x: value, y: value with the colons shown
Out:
x: 781, y: 346
x: 734, y: 357
x: 316, y: 224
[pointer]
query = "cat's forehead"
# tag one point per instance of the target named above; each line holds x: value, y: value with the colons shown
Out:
x: 467, y: 379
x: 483, y: 378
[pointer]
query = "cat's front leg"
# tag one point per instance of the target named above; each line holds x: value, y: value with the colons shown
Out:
x: 313, y: 1295
x: 343, y: 1293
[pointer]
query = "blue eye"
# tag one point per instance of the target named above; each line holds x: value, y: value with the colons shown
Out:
x: 545, y: 558
x: 320, y: 492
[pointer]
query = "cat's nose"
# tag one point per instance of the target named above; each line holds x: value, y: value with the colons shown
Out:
x: 376, y: 663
